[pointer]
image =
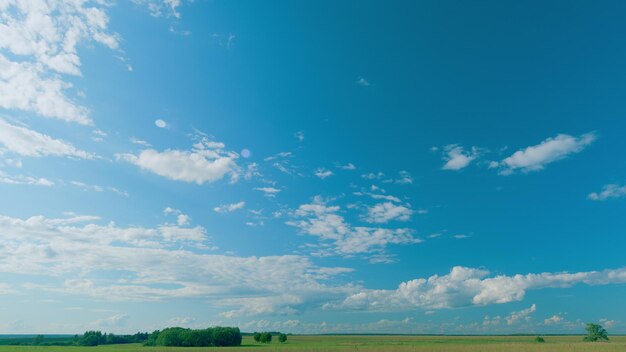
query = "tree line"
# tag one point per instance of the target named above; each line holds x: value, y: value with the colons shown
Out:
x: 181, y: 337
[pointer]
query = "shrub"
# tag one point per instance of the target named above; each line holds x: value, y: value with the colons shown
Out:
x: 539, y: 339
x: 282, y: 338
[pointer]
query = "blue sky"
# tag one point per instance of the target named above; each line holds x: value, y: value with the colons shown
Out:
x: 312, y: 167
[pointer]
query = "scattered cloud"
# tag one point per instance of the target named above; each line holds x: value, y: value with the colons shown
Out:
x: 160, y: 8
x: 299, y: 136
x: 323, y: 221
x: 363, y: 82
x: 348, y: 166
x: 610, y: 191
x: 384, y: 212
x: 24, y: 180
x: 268, y: 191
x: 205, y: 162
x: 536, y: 157
x: 373, y: 176
x: 521, y: 316
x: 323, y: 173
x: 457, y: 158
x: 229, y: 208
x: 553, y: 320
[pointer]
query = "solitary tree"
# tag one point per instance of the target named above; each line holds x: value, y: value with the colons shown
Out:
x: 282, y: 338
x: 539, y: 339
x: 595, y: 332
x: 257, y: 336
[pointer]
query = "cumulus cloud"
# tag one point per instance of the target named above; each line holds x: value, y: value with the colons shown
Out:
x: 323, y: 173
x: 610, y: 191
x: 157, y: 263
x: 229, y: 208
x: 23, y: 141
x: 457, y: 158
x: 42, y: 40
x: 323, y: 221
x: 205, y: 162
x: 388, y: 211
x: 521, y: 316
x: 536, y: 157
x: 469, y: 286
x: 553, y: 320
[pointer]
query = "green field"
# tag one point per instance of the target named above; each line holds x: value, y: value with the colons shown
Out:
x: 372, y: 343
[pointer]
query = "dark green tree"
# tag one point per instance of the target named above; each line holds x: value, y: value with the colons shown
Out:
x: 539, y: 339
x: 266, y: 337
x: 595, y: 333
x: 38, y: 340
x: 257, y: 336
x: 282, y: 338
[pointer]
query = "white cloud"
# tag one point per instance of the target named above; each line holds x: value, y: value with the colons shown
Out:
x: 156, y: 264
x: 229, y: 208
x: 23, y: 141
x: 24, y: 180
x: 182, y: 219
x: 268, y: 191
x: 405, y: 178
x: 318, y: 219
x: 610, y: 191
x: 205, y: 162
x: 535, y: 157
x: 134, y: 140
x: 522, y: 315
x: 608, y: 323
x: 299, y: 136
x: 385, y: 212
x: 373, y: 176
x: 457, y: 158
x: 97, y: 188
x: 159, y: 8
x: 42, y: 39
x: 553, y: 320
x: 160, y: 123
x: 348, y: 166
x: 469, y: 286
x: 323, y: 173
x: 115, y: 321
x: 363, y: 82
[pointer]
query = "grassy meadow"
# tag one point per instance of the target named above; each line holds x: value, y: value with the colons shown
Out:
x: 372, y: 343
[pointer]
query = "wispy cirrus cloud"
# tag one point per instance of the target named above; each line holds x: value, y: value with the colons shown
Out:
x: 26, y: 142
